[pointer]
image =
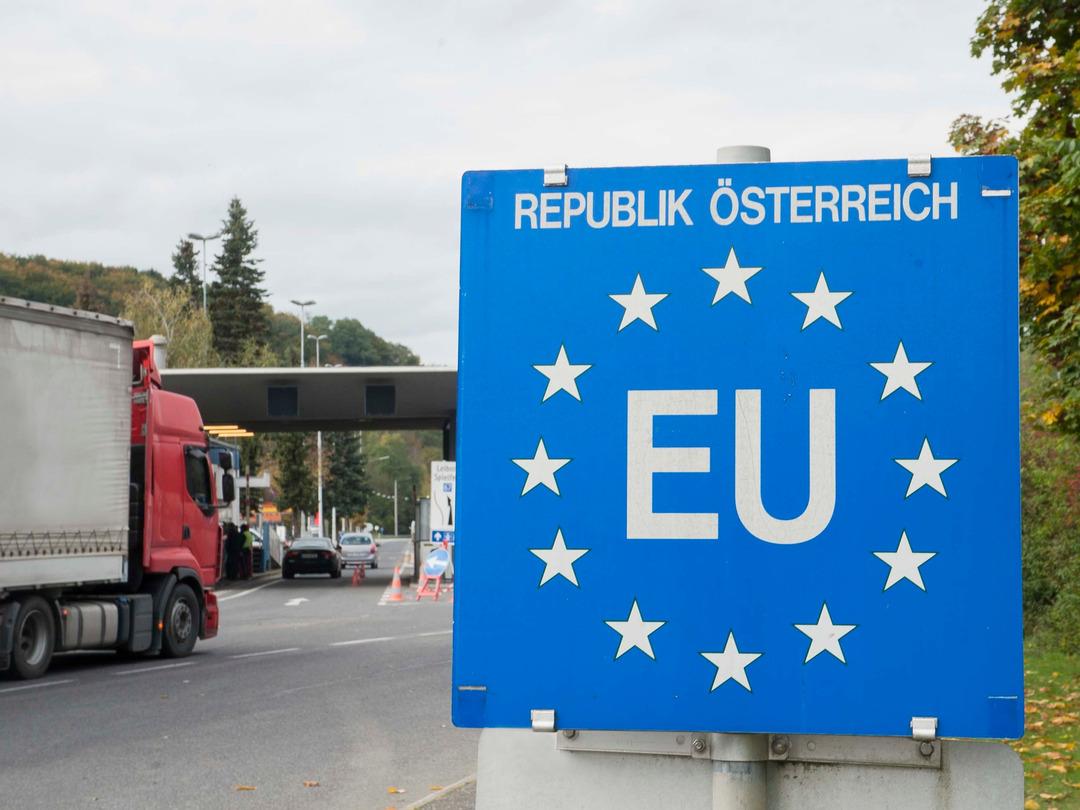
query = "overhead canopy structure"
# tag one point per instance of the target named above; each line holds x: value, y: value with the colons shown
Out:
x: 288, y: 399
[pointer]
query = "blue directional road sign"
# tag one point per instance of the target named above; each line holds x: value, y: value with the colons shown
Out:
x: 738, y: 449
x: 437, y: 562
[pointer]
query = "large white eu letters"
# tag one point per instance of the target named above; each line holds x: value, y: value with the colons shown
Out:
x: 643, y: 460
x: 822, y: 500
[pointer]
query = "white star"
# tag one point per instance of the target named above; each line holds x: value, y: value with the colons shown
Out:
x: 904, y: 563
x: 825, y: 636
x: 731, y: 278
x: 638, y: 304
x: 821, y: 303
x: 926, y: 470
x: 559, y: 560
x: 731, y: 664
x: 541, y: 469
x: 635, y: 632
x: 562, y: 376
x: 900, y: 373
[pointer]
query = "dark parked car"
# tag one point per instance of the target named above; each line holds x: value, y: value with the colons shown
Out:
x: 311, y: 555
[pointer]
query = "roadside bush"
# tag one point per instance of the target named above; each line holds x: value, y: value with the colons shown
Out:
x: 1050, y: 475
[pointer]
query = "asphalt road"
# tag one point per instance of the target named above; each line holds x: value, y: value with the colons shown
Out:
x: 309, y: 680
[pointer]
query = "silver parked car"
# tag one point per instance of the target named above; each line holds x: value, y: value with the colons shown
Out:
x: 359, y: 548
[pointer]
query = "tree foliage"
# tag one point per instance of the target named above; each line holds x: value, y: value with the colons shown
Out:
x: 405, y: 458
x: 344, y: 488
x: 65, y: 284
x: 1050, y: 473
x: 86, y: 296
x: 158, y: 309
x: 236, y: 305
x: 1035, y: 48
x: 186, y: 271
x: 294, y: 481
x: 348, y: 342
x: 284, y: 338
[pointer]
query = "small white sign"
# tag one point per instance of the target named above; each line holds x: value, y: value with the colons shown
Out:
x: 443, y: 496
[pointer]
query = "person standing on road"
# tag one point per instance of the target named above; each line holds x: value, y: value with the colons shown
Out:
x: 233, y: 547
x: 247, y: 546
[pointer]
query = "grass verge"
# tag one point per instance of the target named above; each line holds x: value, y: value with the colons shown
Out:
x: 1049, y: 746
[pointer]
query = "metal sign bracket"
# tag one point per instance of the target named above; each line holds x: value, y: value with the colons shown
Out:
x: 543, y: 719
x: 780, y: 748
x: 918, y: 166
x: 838, y: 750
x: 556, y: 175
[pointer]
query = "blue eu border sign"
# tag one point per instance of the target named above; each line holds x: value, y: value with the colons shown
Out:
x: 738, y: 449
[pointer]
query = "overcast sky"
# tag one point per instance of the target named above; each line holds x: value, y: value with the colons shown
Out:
x: 345, y: 126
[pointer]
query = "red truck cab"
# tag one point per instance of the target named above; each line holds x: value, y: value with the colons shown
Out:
x: 177, y: 541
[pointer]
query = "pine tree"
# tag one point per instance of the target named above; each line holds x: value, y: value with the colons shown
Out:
x: 295, y: 483
x: 186, y: 271
x: 236, y: 306
x: 345, y: 488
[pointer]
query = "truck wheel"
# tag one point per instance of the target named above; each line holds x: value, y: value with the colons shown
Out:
x: 182, y: 623
x: 35, y: 639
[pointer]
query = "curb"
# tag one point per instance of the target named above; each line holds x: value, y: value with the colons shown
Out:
x: 431, y: 798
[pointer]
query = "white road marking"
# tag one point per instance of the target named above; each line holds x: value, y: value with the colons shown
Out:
x: 265, y: 652
x: 389, y: 638
x: 36, y: 685
x: 432, y: 797
x: 299, y: 600
x: 361, y: 641
x: 238, y: 594
x: 154, y: 668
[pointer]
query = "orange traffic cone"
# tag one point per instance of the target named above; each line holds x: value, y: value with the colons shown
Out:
x: 395, y: 587
x: 358, y: 574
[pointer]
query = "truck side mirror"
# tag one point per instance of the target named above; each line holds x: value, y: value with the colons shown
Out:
x: 228, y: 488
x: 225, y: 461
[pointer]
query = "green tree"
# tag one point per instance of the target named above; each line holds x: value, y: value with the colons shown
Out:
x: 236, y: 307
x: 284, y: 338
x: 186, y: 271
x: 86, y: 296
x: 295, y: 482
x: 404, y: 457
x: 66, y: 284
x: 356, y: 345
x: 157, y: 309
x: 345, y: 488
x: 1035, y: 49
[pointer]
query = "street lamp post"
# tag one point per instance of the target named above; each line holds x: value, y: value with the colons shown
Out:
x: 387, y: 458
x: 318, y: 436
x: 303, y: 315
x: 204, y: 240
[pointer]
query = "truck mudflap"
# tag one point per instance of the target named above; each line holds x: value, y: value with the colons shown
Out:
x: 211, y: 615
x: 8, y: 612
